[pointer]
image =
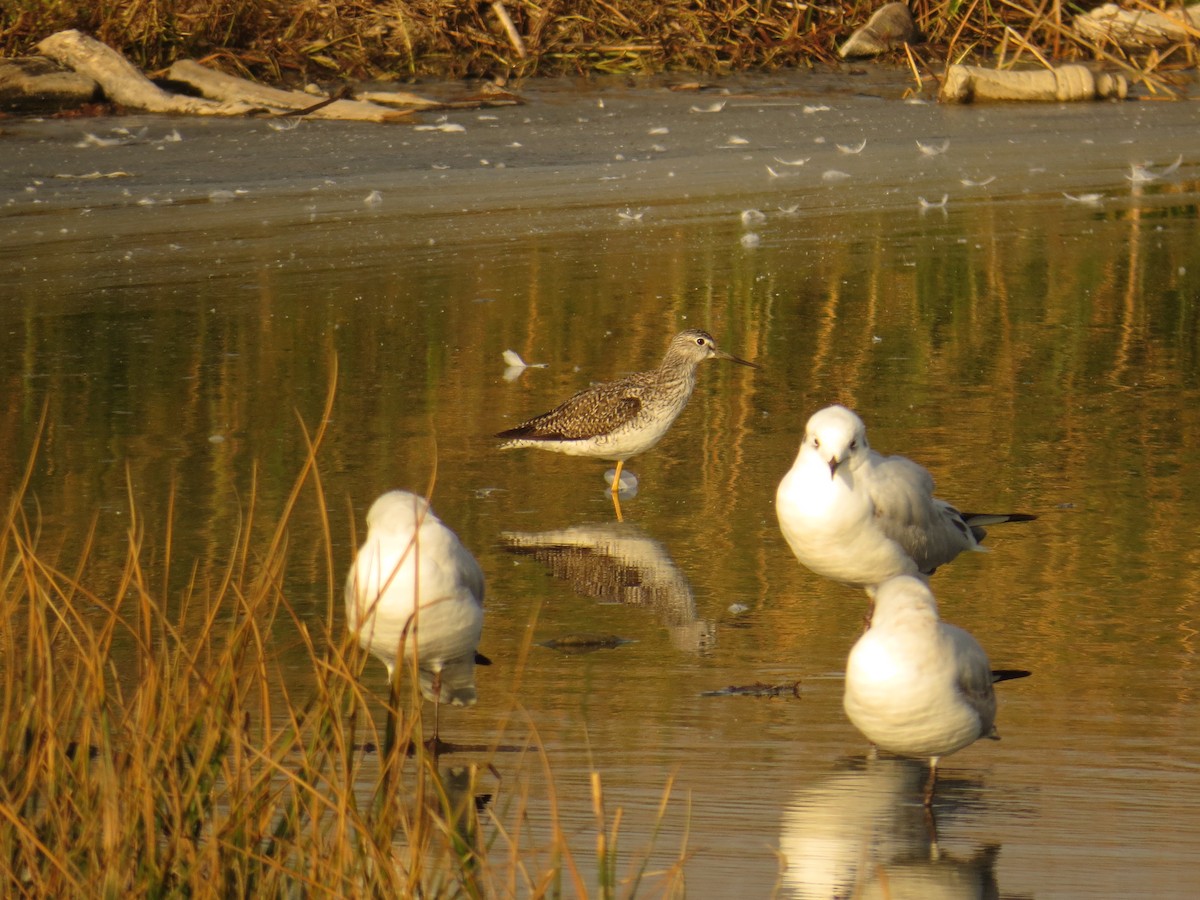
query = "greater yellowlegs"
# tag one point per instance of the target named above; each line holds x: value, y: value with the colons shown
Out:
x: 620, y: 419
x: 415, y: 591
x: 857, y: 517
x: 918, y: 686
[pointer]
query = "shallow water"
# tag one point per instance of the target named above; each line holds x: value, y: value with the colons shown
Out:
x: 1036, y: 353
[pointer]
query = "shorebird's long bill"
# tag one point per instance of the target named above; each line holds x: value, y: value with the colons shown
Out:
x: 721, y: 354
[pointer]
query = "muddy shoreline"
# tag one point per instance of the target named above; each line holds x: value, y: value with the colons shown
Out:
x: 815, y: 141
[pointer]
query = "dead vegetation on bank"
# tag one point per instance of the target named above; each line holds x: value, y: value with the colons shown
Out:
x: 289, y: 41
x: 166, y: 742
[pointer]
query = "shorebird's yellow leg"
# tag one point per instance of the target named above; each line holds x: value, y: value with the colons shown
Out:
x: 617, y: 508
x: 617, y: 476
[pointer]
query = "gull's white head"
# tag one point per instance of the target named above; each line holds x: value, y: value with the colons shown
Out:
x: 838, y: 437
x: 398, y: 512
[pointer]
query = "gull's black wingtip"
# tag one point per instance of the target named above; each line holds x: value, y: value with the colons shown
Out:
x: 975, y: 520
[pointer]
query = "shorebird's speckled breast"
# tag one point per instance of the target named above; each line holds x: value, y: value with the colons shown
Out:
x: 618, y: 420
x: 661, y: 403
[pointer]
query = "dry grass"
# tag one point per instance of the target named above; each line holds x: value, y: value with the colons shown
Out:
x: 291, y: 40
x: 182, y: 764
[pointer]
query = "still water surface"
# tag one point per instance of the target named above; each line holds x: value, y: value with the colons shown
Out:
x: 1035, y: 353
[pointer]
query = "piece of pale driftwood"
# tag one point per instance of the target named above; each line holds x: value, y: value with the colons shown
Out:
x: 488, y: 96
x: 121, y: 81
x: 1134, y: 28
x: 510, y: 29
x: 891, y: 26
x: 228, y: 88
x: 964, y: 84
x: 34, y: 82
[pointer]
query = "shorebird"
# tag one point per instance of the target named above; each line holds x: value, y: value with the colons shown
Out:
x: 619, y: 419
x: 918, y: 686
x: 415, y: 591
x: 857, y: 517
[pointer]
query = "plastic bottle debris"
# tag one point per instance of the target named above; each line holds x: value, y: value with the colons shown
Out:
x: 965, y: 84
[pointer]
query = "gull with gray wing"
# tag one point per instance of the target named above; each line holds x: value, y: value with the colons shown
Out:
x: 918, y: 686
x: 415, y: 591
x: 858, y: 517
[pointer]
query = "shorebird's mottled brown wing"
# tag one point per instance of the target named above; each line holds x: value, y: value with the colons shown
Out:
x: 594, y: 411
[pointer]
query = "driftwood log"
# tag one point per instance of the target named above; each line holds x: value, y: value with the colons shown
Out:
x: 121, y: 81
x: 36, y: 83
x: 1136, y: 28
x: 219, y: 87
x: 223, y: 95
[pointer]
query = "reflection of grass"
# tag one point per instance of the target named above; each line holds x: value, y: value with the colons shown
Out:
x: 178, y: 768
x: 448, y: 38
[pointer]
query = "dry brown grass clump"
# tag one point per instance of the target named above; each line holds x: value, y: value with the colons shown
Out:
x: 291, y: 40
x: 151, y: 744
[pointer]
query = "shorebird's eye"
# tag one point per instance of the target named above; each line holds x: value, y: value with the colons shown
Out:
x: 816, y: 443
x: 854, y: 445
x: 700, y: 342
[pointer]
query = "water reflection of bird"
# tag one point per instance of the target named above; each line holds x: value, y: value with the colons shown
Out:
x: 415, y: 590
x: 916, y: 685
x: 620, y: 564
x: 857, y: 517
x: 862, y: 833
x: 620, y: 419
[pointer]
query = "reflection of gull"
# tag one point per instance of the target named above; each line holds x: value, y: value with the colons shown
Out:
x: 855, y: 516
x: 618, y: 563
x: 408, y: 554
x: 863, y: 833
x: 916, y: 685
